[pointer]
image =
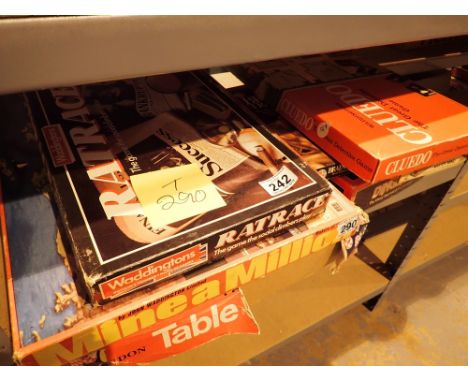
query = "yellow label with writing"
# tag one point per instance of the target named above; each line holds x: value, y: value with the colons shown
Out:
x: 175, y: 193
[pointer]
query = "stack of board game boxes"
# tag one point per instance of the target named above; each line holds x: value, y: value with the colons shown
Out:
x: 376, y: 135
x: 157, y: 176
x: 170, y: 181
x: 51, y: 318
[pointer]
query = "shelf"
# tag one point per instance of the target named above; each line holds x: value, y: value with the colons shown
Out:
x: 435, y: 243
x: 457, y: 199
x: 382, y: 244
x: 461, y: 189
x: 55, y: 51
x: 285, y: 305
x: 445, y: 233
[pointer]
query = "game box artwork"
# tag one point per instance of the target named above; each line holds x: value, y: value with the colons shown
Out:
x: 156, y: 176
x: 258, y: 113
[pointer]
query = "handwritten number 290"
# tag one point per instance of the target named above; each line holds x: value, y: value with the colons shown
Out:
x: 180, y: 197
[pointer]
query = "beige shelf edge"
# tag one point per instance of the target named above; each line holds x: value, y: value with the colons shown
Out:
x: 283, y: 312
x: 41, y: 52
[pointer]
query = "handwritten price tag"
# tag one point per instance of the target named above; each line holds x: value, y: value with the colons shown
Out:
x: 174, y: 194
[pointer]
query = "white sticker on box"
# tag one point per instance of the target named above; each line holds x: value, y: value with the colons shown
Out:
x: 282, y: 181
x: 347, y: 225
x: 227, y: 80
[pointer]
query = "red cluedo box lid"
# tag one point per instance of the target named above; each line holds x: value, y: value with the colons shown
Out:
x: 377, y: 127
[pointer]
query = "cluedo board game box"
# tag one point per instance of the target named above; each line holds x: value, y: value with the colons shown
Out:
x: 379, y: 127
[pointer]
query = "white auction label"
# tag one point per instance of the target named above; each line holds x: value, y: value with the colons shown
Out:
x: 347, y: 225
x: 282, y: 181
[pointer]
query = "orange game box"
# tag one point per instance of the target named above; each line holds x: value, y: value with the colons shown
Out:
x: 379, y: 127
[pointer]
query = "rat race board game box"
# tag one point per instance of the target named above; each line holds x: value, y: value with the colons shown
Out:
x: 257, y: 112
x: 379, y: 128
x: 155, y: 176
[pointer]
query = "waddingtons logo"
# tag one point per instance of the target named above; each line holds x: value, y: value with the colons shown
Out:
x: 156, y: 271
x: 57, y: 144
